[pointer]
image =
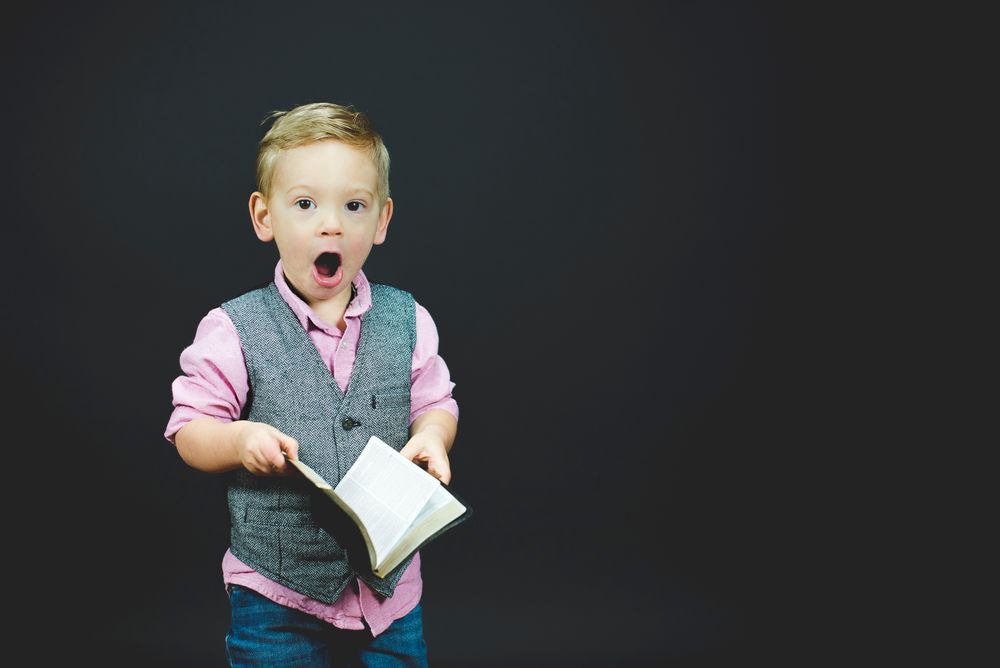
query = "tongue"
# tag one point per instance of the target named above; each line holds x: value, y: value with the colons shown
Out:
x: 327, y: 263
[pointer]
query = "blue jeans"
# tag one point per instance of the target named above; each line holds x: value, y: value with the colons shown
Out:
x: 264, y: 633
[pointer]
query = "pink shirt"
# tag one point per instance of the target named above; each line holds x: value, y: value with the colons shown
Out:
x: 215, y: 385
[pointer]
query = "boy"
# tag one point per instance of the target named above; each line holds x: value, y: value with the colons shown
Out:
x: 310, y: 366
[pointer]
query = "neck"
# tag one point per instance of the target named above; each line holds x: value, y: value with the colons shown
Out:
x: 330, y: 311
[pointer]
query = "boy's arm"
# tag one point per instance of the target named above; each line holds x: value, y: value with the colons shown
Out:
x: 433, y: 411
x: 431, y: 437
x: 209, y: 397
x: 213, y: 446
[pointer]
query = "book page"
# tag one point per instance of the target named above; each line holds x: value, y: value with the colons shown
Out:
x: 441, y: 509
x: 386, y: 491
x: 439, y: 499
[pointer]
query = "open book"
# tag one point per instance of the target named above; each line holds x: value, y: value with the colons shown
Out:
x: 397, y: 505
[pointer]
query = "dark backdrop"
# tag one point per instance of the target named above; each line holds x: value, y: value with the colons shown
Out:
x: 599, y: 204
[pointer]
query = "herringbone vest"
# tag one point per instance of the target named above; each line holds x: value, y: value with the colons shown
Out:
x: 273, y: 527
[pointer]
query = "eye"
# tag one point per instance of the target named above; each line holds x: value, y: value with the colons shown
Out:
x: 355, y: 206
x: 304, y: 204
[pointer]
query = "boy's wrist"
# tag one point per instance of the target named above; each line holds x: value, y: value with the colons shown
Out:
x: 431, y: 429
x: 235, y: 433
x: 439, y: 424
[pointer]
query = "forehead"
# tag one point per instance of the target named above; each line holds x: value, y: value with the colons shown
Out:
x: 326, y: 162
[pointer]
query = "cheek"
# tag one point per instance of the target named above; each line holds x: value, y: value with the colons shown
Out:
x: 359, y: 249
x: 361, y: 240
x: 290, y: 242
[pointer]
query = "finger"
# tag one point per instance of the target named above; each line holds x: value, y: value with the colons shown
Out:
x: 276, y: 461
x: 266, y: 458
x: 257, y: 453
x: 440, y: 468
x: 259, y: 465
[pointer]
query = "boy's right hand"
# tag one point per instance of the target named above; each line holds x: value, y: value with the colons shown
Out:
x: 260, y: 447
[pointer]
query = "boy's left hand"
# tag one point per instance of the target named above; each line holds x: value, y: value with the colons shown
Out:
x: 426, y: 449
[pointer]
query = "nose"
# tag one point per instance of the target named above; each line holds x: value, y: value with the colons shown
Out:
x: 329, y: 225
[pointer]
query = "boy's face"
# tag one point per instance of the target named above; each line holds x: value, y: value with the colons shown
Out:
x: 323, y: 215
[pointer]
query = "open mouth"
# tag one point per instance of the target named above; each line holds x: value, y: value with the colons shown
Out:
x: 327, y: 264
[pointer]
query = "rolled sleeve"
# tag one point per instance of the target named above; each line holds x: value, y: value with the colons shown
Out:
x: 214, y: 380
x: 430, y: 380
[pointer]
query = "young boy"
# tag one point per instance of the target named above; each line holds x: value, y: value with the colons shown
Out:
x: 310, y: 366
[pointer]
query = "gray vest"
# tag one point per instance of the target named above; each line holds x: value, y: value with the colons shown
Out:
x: 273, y: 527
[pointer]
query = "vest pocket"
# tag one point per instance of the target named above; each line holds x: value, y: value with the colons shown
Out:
x: 258, y: 544
x: 279, y: 518
x: 391, y: 399
x: 308, y: 544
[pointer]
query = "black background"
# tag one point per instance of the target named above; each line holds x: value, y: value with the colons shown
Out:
x: 602, y: 205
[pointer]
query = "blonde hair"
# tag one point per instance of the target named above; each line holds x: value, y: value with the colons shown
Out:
x: 318, y: 121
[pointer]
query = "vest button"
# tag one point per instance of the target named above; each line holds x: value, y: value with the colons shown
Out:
x: 349, y: 424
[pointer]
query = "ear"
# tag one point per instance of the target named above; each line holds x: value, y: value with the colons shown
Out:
x: 383, y: 221
x: 261, y: 217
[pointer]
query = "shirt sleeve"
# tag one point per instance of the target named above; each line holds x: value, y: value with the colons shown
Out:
x: 214, y: 375
x: 430, y: 380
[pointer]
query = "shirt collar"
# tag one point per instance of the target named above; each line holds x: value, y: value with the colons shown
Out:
x: 358, y: 306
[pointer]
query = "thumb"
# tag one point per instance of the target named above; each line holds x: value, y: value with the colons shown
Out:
x: 286, y: 444
x: 289, y: 445
x: 410, y: 450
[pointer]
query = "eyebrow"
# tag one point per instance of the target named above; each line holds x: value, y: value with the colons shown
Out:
x: 356, y: 189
